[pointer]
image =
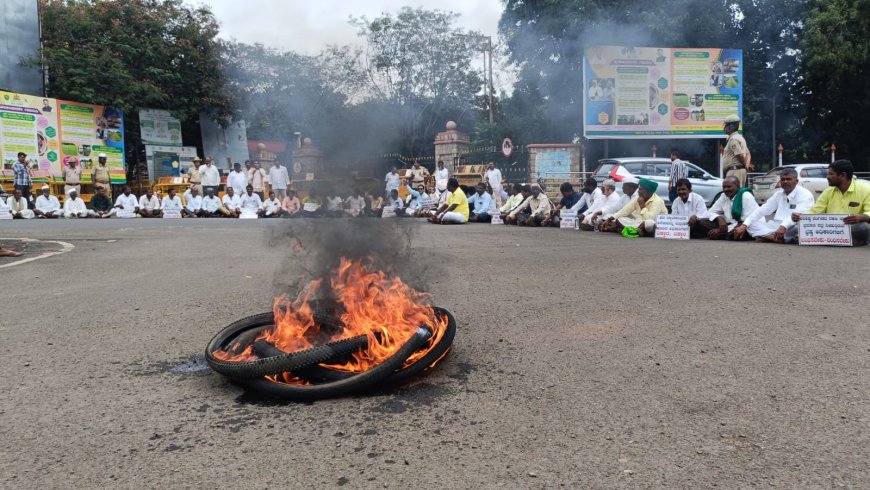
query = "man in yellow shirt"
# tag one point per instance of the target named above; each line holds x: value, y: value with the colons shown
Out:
x: 639, y: 213
x: 848, y: 196
x: 454, y: 211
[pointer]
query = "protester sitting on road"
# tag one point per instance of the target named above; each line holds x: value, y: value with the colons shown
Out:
x: 515, y: 198
x: 193, y: 207
x: 102, y: 205
x: 334, y: 205
x: 791, y: 198
x: 690, y: 205
x: 413, y: 203
x: 127, y: 201
x: 237, y: 179
x: 629, y: 191
x: 74, y: 206
x: 171, y: 202
x: 232, y: 203
x: 290, y: 205
x: 732, y: 208
x: 312, y: 205
x: 533, y: 210
x: 569, y: 199
x: 640, y: 214
x: 374, y: 204
x: 250, y: 203
x: 47, y: 206
x: 455, y: 210
x: 211, y: 206
x: 149, y: 205
x: 612, y: 204
x: 396, y: 203
x: 18, y: 206
x: 481, y: 205
x: 592, y: 198
x: 511, y: 217
x: 271, y: 208
x: 355, y: 204
x: 848, y: 196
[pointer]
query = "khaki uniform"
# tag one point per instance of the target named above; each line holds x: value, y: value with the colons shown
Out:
x: 736, y: 145
x: 418, y: 176
x: 101, y: 178
x: 195, y: 178
x: 72, y: 178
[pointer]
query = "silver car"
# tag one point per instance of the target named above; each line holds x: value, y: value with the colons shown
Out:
x: 658, y: 170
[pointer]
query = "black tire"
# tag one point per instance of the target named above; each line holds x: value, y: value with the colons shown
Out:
x: 280, y: 362
x: 348, y: 386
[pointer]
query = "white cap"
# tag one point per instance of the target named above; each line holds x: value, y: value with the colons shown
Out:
x: 101, y: 155
x: 71, y: 190
x: 46, y: 187
x: 630, y: 180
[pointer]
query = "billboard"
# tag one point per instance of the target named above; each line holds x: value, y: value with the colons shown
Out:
x: 225, y: 145
x: 52, y: 131
x: 637, y: 93
x: 159, y: 127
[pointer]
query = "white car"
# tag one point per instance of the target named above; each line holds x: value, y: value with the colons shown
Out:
x: 812, y: 176
x: 658, y: 170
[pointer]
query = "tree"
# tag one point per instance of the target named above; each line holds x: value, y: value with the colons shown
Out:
x: 131, y: 54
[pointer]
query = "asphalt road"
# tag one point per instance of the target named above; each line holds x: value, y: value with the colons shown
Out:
x: 582, y: 361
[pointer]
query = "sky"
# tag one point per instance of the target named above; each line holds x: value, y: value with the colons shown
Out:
x: 306, y: 26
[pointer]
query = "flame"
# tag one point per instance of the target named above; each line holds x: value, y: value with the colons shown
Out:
x: 367, y: 302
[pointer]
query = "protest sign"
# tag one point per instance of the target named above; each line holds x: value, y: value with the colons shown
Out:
x: 310, y: 207
x: 171, y: 214
x: 389, y: 212
x: 126, y: 213
x: 496, y: 219
x: 567, y: 219
x: 824, y: 229
x: 427, y: 203
x: 672, y: 227
x: 248, y: 215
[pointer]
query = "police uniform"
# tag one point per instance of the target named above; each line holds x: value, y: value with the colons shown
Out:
x: 101, y: 178
x: 195, y: 178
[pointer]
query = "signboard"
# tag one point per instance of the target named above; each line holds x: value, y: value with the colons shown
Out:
x: 567, y: 219
x: 310, y: 207
x: 86, y: 130
x: 159, y: 127
x: 824, y: 229
x: 507, y: 147
x: 388, y: 212
x: 248, y: 215
x: 161, y: 159
x: 427, y: 203
x: 126, y: 213
x: 171, y: 214
x: 672, y: 227
x: 651, y: 93
x: 29, y: 124
x: 496, y: 219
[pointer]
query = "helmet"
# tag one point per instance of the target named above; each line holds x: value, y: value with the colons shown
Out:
x: 733, y: 118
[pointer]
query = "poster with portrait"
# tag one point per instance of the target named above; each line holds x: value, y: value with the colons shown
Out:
x: 640, y: 92
x: 28, y: 124
x: 86, y: 130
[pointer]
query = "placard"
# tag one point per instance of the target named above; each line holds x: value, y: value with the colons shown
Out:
x: 567, y: 219
x: 248, y: 215
x: 388, y: 212
x: 310, y: 207
x: 5, y: 211
x: 670, y: 227
x: 427, y: 203
x: 126, y: 213
x: 824, y: 229
x: 496, y: 219
x: 171, y: 214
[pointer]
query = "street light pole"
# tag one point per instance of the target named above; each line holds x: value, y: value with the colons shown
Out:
x: 490, y: 84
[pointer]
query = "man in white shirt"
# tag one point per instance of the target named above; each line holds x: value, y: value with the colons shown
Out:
x: 127, y: 203
x: 533, y: 210
x: 250, y: 203
x: 334, y: 205
x: 211, y: 206
x: 149, y: 205
x: 17, y: 204
x: 74, y: 206
x: 591, y: 201
x: 271, y: 207
x: 232, y: 203
x: 172, y: 202
x: 279, y: 179
x: 493, y: 178
x: 731, y: 209
x: 193, y: 208
x: 47, y: 206
x: 210, y: 176
x: 257, y: 178
x: 629, y: 191
x: 356, y: 203
x: 237, y: 179
x: 612, y: 203
x: 690, y: 205
x: 442, y: 175
x: 391, y: 180
x: 791, y: 198
x: 395, y: 202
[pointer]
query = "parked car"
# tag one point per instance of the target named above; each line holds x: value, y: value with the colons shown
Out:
x: 658, y: 170
x: 813, y: 176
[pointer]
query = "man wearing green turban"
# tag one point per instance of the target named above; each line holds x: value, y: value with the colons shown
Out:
x: 640, y: 213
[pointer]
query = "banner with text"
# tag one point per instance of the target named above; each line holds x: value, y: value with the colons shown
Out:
x: 29, y: 124
x: 670, y: 227
x: 824, y: 229
x: 641, y: 93
x: 86, y: 130
x: 159, y: 127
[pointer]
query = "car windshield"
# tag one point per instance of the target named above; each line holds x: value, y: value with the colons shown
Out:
x: 774, y: 172
x: 605, y: 168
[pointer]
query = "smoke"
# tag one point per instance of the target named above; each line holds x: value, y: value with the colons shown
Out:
x: 314, y: 248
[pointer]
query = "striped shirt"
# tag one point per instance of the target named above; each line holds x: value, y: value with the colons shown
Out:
x: 679, y: 170
x: 22, y: 176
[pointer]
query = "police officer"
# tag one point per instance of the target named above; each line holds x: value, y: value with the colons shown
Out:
x: 736, y: 159
x: 100, y: 176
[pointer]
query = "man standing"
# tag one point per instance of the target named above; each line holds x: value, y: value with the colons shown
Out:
x: 237, y: 179
x: 23, y: 177
x: 232, y: 203
x: 679, y: 170
x: 418, y: 175
x: 441, y: 177
x: 210, y: 176
x: 279, y: 179
x: 791, y: 198
x: 72, y: 177
x: 455, y: 210
x: 736, y: 159
x: 639, y: 214
x: 493, y: 178
x: 193, y: 208
x: 731, y: 209
x: 47, y: 206
x: 290, y: 205
x: 18, y: 206
x: 481, y: 203
x: 569, y: 199
x: 102, y: 205
x: 100, y: 176
x: 533, y: 211
x: 257, y: 178
x: 194, y: 176
x: 74, y: 206
x: 848, y: 196
x: 149, y: 205
x: 391, y: 180
x: 127, y: 201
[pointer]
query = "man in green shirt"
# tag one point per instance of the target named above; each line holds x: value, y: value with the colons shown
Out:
x: 848, y: 196
x: 102, y: 205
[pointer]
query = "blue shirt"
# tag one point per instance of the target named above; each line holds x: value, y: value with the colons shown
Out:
x: 21, y: 175
x: 567, y: 202
x: 482, y: 204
